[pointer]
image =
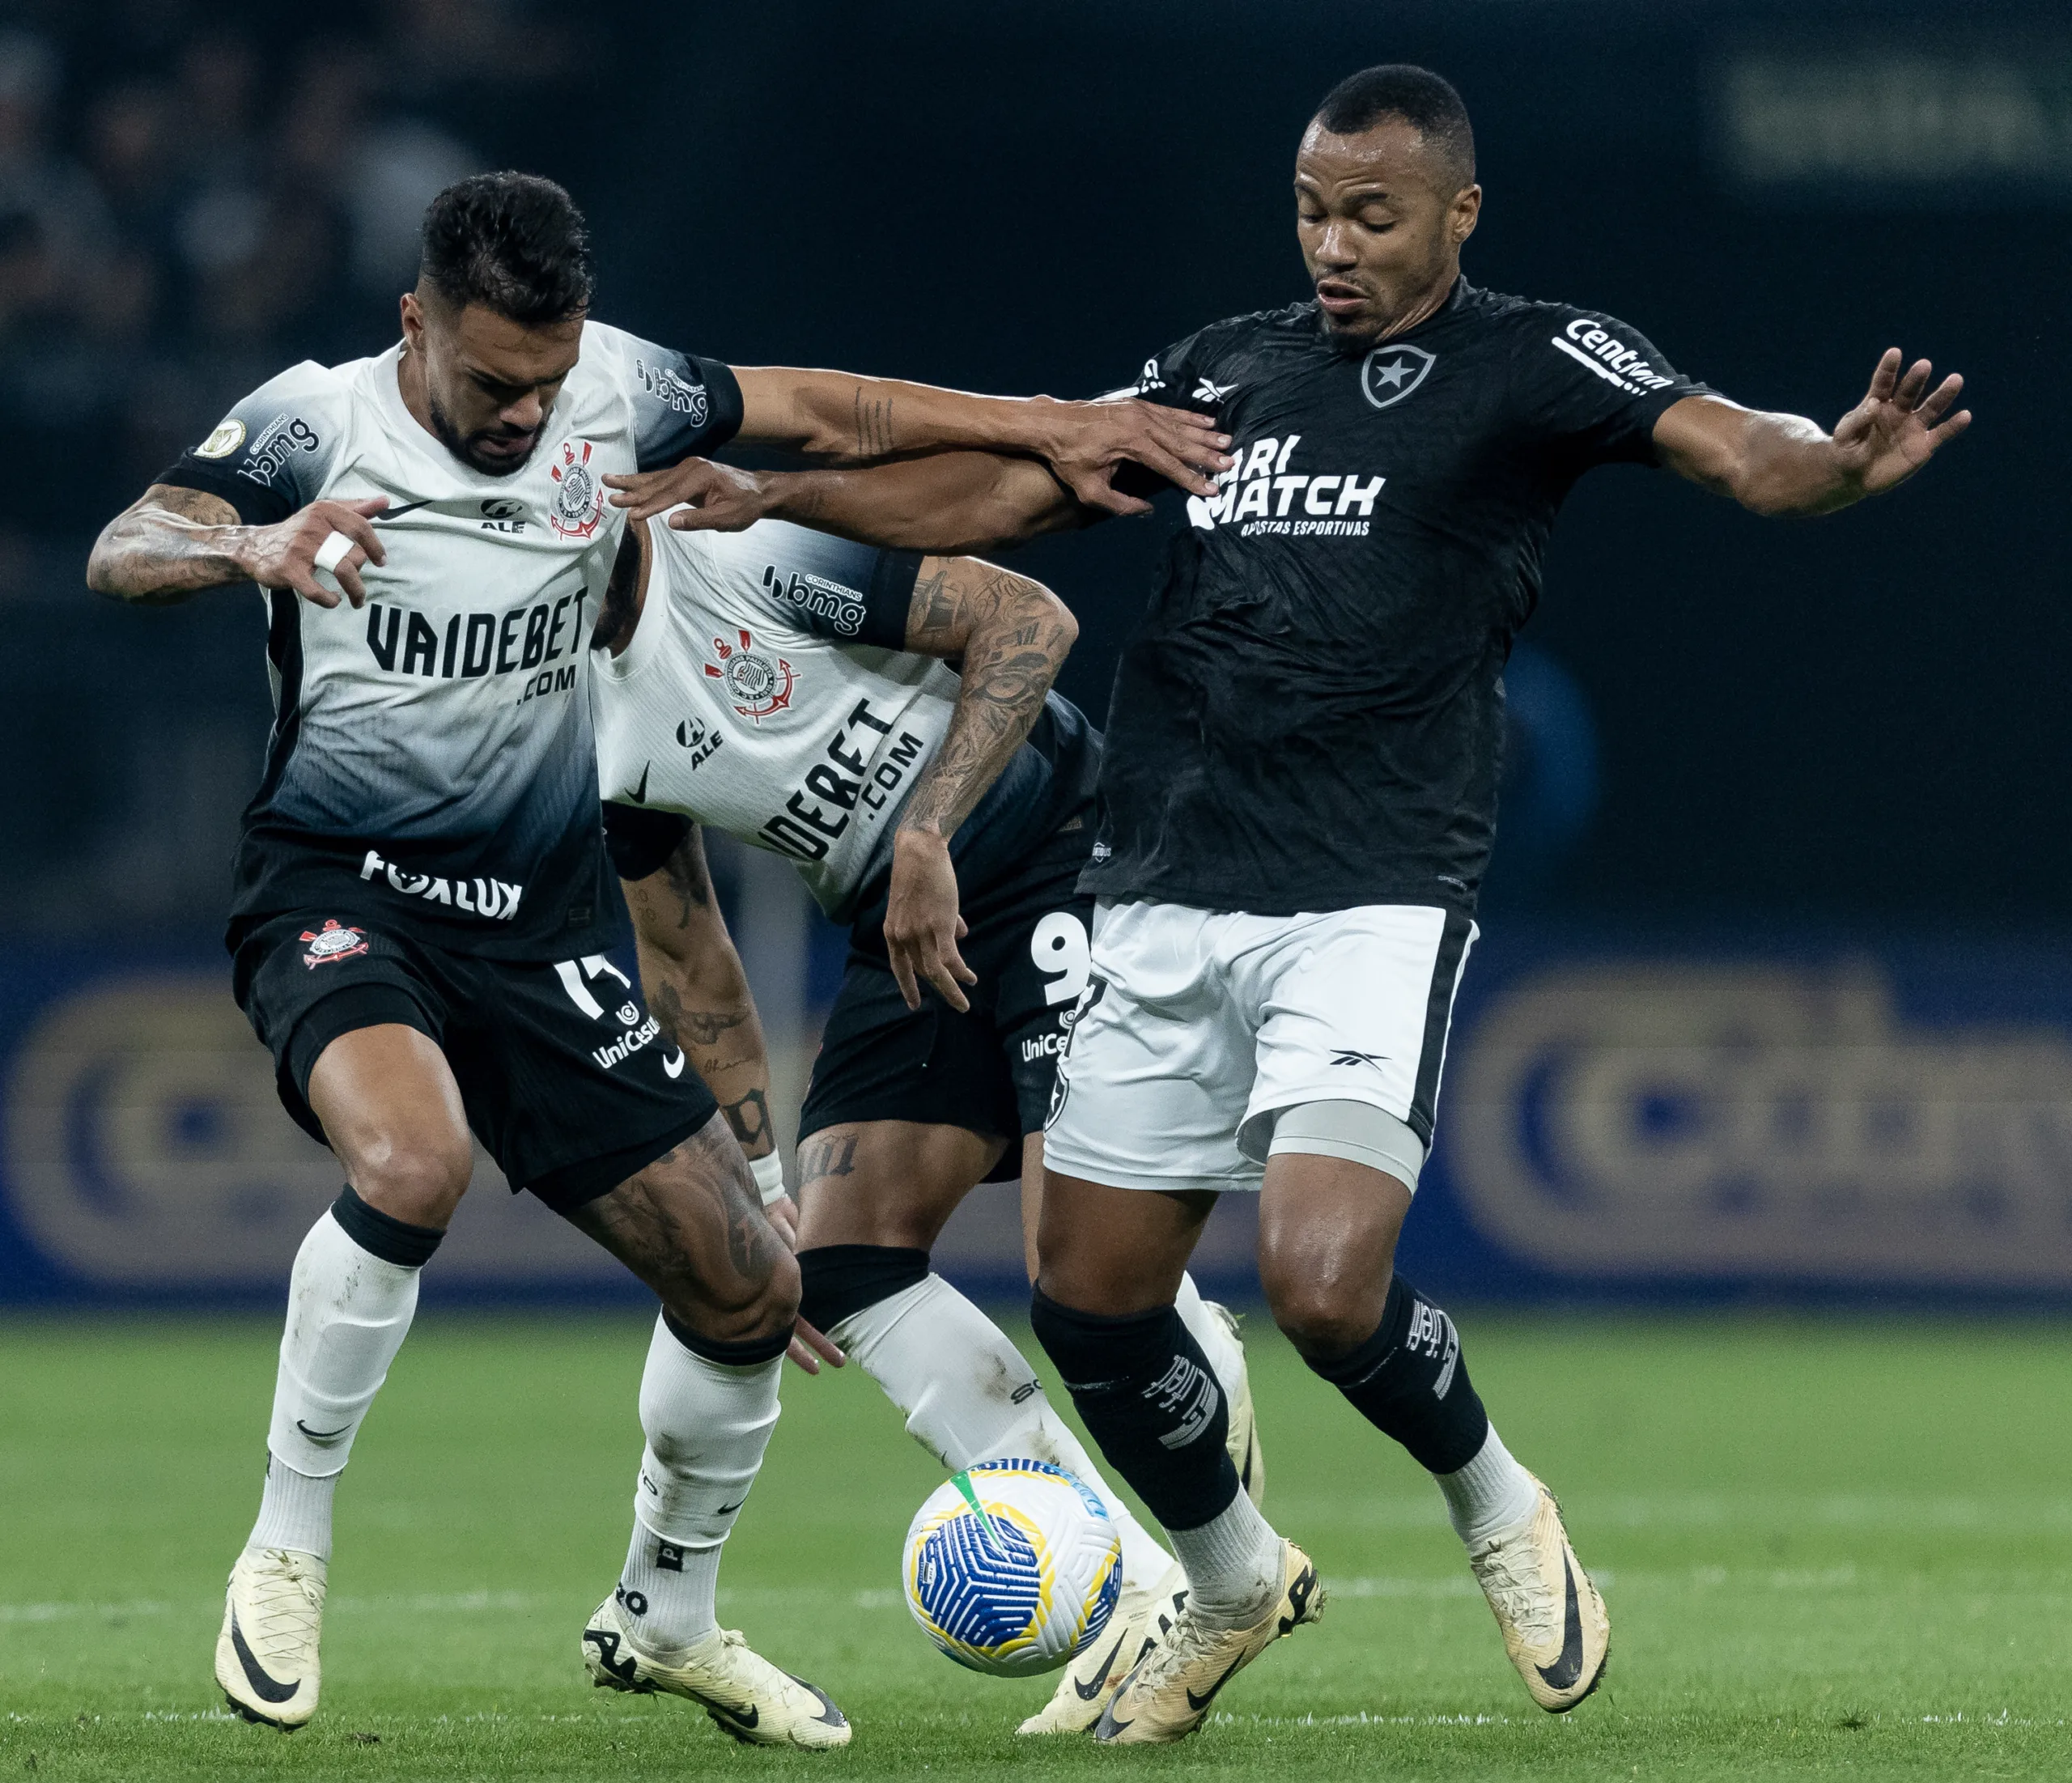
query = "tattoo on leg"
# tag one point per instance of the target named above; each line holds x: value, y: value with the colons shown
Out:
x: 749, y: 1118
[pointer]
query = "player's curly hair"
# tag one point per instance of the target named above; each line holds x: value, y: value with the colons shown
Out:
x: 513, y: 243
x: 1421, y: 99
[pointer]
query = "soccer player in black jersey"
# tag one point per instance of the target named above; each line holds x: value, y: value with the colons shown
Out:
x: 423, y: 908
x: 1300, y: 787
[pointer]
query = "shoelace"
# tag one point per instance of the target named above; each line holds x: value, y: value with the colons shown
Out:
x: 286, y: 1606
x: 1510, y: 1573
x: 1184, y: 1644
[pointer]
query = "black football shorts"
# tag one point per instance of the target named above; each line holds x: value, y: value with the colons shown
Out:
x: 990, y: 1070
x: 567, y: 1081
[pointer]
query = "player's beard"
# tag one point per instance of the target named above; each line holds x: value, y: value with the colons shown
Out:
x: 463, y: 445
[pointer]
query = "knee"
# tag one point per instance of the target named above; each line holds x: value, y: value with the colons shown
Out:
x: 1325, y: 1313
x: 417, y: 1180
x: 760, y: 1304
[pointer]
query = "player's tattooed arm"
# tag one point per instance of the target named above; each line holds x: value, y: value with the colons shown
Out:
x: 694, y: 983
x: 1784, y: 464
x: 1010, y: 636
x: 839, y: 416
x: 171, y: 543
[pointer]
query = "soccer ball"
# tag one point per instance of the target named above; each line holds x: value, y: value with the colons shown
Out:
x: 1012, y: 1567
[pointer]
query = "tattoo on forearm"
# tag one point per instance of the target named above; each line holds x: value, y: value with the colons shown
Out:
x: 749, y: 1118
x: 873, y: 417
x: 174, y: 542
x: 689, y: 878
x: 1015, y: 641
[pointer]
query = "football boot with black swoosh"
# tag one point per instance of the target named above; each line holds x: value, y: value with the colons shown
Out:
x: 746, y: 1697
x: 1553, y: 1621
x: 273, y: 1619
x: 1140, y: 1619
x: 1168, y: 1696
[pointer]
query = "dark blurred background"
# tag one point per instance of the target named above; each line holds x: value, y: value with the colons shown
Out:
x: 1812, y: 736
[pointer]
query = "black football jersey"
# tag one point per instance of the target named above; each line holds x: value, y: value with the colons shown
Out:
x: 1310, y: 715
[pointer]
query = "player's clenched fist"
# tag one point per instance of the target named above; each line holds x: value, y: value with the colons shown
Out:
x: 292, y: 553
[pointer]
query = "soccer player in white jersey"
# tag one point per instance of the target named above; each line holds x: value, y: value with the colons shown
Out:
x: 790, y: 688
x: 423, y: 905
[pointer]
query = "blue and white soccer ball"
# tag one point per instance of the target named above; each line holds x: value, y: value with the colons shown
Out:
x: 1012, y: 1567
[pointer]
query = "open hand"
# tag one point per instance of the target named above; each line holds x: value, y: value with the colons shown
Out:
x: 922, y: 927
x: 1086, y: 443
x: 1896, y: 429
x: 714, y: 498
x: 284, y: 555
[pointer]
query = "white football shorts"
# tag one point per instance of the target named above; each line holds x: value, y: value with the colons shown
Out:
x: 1198, y: 1027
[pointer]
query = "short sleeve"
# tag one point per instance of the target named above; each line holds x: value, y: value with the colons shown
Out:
x: 830, y: 587
x: 1174, y: 379
x: 272, y: 453
x: 1592, y: 388
x: 682, y: 405
x: 641, y: 842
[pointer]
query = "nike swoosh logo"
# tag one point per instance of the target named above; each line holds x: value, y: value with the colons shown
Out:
x: 321, y: 1436
x: 1201, y: 1702
x: 829, y: 1714
x: 727, y: 1510
x: 674, y: 1066
x: 1563, y: 1674
x: 396, y: 513
x: 735, y: 1717
x: 266, y: 1689
x: 639, y: 793
x: 1088, y: 1692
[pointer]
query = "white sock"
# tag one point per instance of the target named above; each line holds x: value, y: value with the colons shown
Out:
x: 1233, y: 1566
x: 1492, y: 1492
x: 348, y: 1313
x: 294, y: 1511
x: 1225, y: 1354
x: 968, y: 1394
x: 707, y: 1424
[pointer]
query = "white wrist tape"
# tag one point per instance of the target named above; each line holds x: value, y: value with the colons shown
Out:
x: 332, y: 552
x: 769, y: 1174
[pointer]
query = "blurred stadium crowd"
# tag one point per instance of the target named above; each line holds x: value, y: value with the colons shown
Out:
x: 185, y: 206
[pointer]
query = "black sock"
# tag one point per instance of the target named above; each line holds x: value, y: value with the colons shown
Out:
x: 837, y: 1281
x: 1408, y: 1381
x: 1151, y: 1402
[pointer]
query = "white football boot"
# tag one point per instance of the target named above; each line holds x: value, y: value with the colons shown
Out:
x: 1554, y: 1623
x: 746, y: 1697
x: 1167, y: 1696
x: 273, y: 1618
x: 1141, y: 1619
x: 1245, y: 1454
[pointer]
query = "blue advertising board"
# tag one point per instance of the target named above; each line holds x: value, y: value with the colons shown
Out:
x: 1666, y: 1119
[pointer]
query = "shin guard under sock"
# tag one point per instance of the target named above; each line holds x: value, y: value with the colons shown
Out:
x: 1409, y: 1381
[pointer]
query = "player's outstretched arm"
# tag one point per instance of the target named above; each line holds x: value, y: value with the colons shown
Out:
x: 855, y: 420
x: 1784, y: 464
x: 1010, y: 636
x: 171, y: 543
x: 949, y: 504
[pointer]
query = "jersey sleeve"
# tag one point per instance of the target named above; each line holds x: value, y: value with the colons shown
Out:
x: 273, y: 452
x: 1593, y: 388
x: 1174, y: 379
x: 833, y: 587
x: 682, y: 405
x: 641, y: 842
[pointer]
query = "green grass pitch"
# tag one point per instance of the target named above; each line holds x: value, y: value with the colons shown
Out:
x: 1829, y: 1549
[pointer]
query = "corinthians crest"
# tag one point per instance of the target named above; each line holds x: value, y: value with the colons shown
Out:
x: 579, y: 497
x: 758, y: 684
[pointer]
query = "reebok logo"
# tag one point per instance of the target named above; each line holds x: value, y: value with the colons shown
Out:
x: 1347, y: 1056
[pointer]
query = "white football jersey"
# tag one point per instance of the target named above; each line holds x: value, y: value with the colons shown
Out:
x: 766, y: 692
x: 432, y: 759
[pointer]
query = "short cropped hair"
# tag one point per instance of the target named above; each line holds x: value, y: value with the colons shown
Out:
x: 1421, y: 99
x: 513, y: 243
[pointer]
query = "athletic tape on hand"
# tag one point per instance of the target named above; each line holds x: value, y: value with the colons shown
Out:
x: 332, y: 552
x: 769, y: 1173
